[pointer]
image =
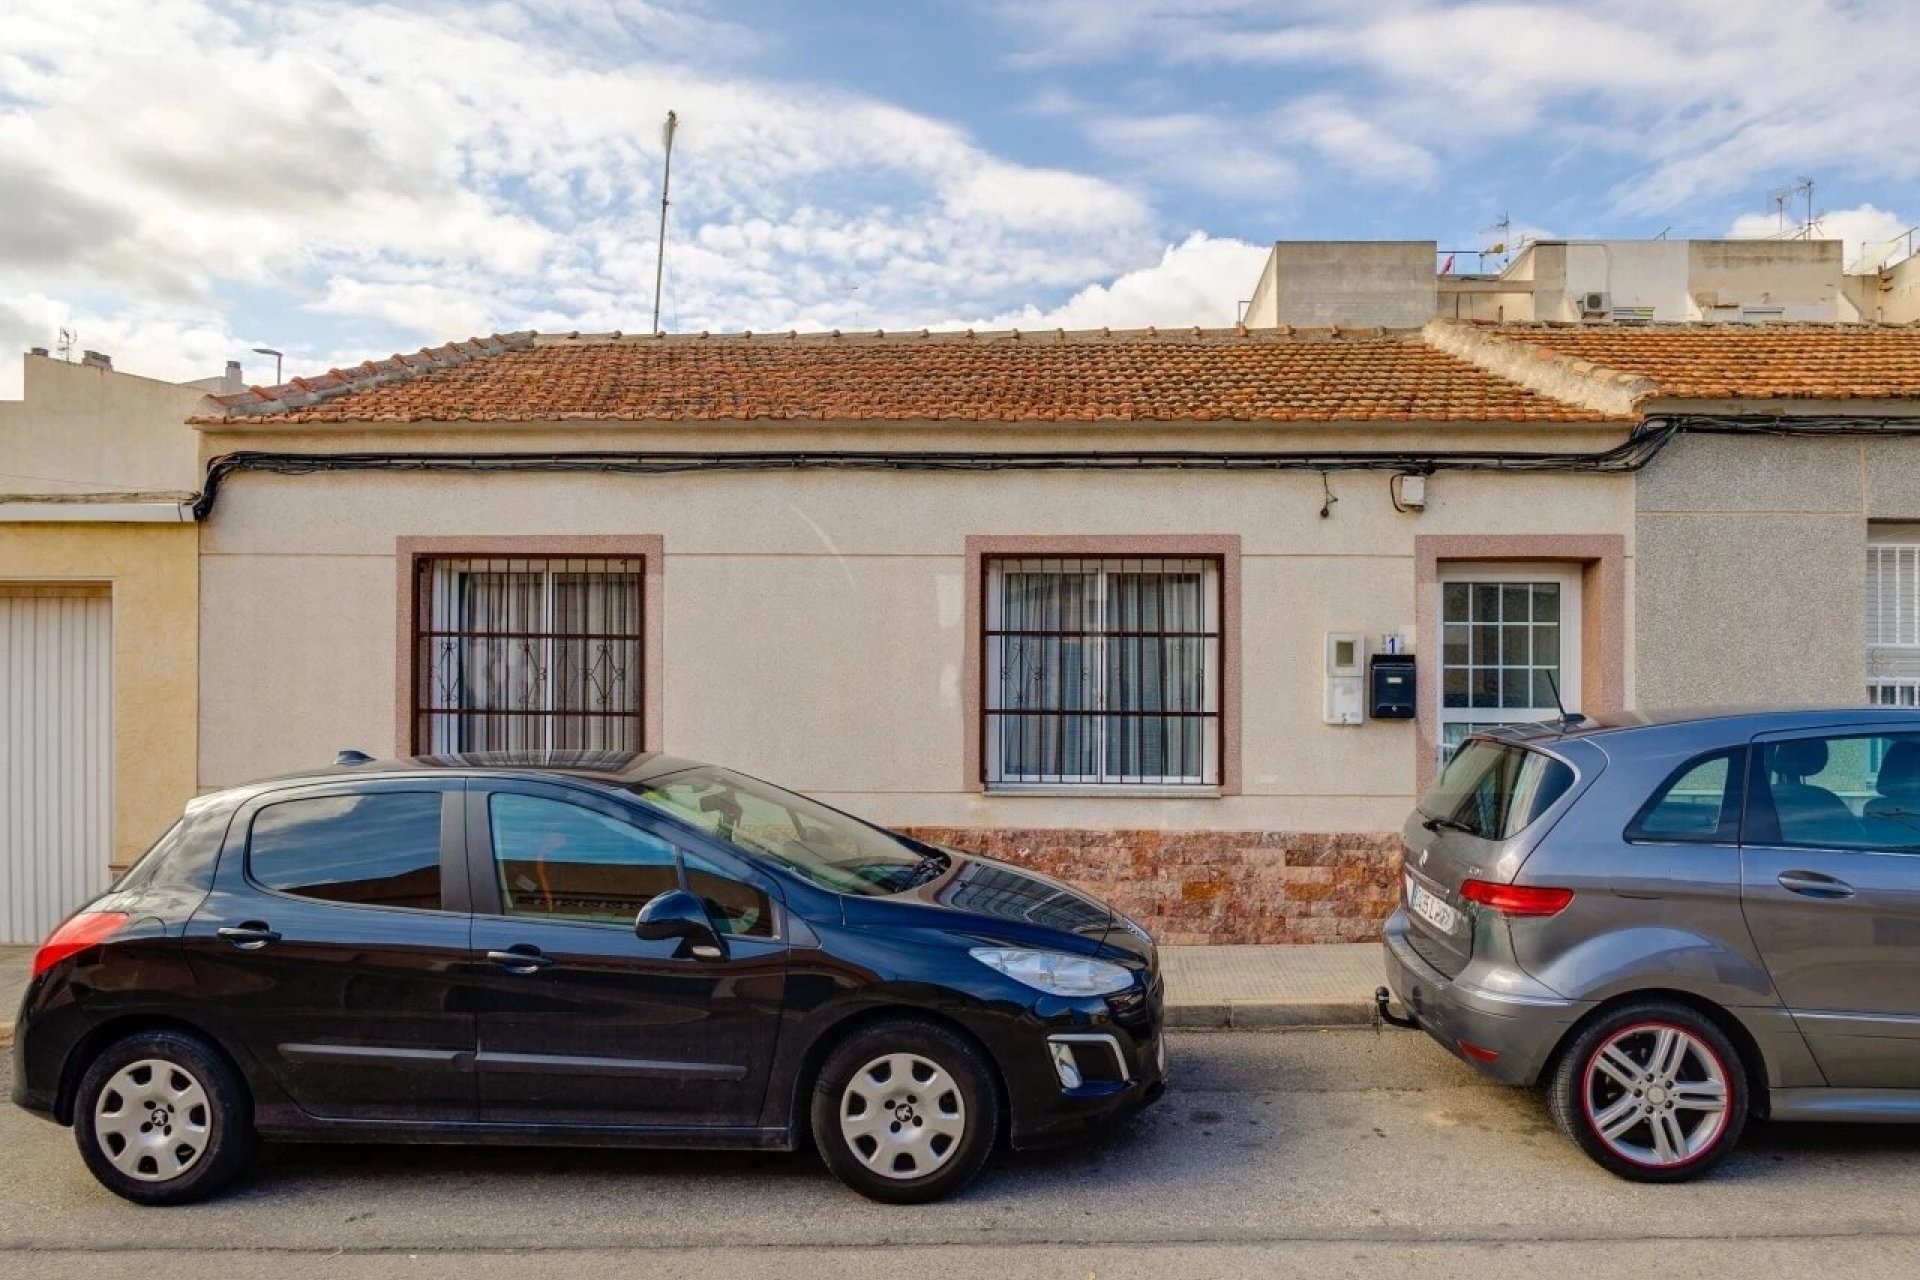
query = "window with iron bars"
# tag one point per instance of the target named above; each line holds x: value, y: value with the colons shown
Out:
x: 528, y: 654
x: 1101, y: 671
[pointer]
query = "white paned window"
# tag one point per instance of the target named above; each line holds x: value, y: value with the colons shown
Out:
x: 1102, y: 671
x: 1510, y: 634
x: 529, y: 654
x: 1893, y: 624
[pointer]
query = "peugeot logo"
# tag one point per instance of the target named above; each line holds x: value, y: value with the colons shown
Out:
x: 1423, y: 857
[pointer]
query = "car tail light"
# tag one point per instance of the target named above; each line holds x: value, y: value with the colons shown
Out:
x: 1517, y: 899
x: 1477, y: 1052
x: 76, y: 935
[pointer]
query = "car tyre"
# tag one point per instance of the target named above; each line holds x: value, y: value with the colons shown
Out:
x: 162, y: 1118
x: 1653, y: 1092
x: 906, y: 1111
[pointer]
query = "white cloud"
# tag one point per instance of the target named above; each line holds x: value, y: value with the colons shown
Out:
x: 1694, y: 98
x: 1196, y: 282
x: 426, y: 169
x: 1866, y: 232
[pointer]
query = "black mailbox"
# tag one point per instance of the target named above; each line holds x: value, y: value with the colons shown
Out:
x: 1390, y: 686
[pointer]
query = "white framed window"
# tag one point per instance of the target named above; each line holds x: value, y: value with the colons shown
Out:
x: 1101, y: 671
x: 1893, y: 623
x: 1509, y: 635
x: 529, y: 654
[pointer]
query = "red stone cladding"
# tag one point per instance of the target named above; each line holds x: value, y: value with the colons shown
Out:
x: 1200, y: 887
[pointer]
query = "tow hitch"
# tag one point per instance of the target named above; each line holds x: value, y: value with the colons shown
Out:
x: 1383, y: 1009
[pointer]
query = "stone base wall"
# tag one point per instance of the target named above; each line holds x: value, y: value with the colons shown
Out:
x: 1197, y: 887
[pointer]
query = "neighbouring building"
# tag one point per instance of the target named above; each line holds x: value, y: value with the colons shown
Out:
x: 1317, y: 283
x: 1095, y: 602
x: 99, y: 573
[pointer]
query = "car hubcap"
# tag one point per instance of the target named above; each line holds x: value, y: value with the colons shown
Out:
x: 153, y: 1120
x: 1656, y: 1095
x: 902, y: 1116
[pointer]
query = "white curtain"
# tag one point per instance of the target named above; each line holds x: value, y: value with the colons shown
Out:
x: 1105, y: 671
x: 532, y: 658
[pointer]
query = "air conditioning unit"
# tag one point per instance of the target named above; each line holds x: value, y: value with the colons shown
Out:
x: 1594, y: 304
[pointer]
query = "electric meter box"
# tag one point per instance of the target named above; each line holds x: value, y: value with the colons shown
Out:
x: 1346, y: 666
x: 1391, y: 686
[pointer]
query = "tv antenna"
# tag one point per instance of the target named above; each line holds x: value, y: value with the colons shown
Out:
x: 1783, y: 199
x: 68, y: 341
x: 660, y: 252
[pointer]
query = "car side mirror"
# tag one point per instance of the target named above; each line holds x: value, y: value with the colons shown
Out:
x: 679, y: 914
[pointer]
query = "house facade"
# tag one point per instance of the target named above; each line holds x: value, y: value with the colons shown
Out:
x: 99, y: 618
x: 1112, y: 605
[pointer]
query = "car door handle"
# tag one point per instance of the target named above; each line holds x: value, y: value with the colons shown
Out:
x: 250, y: 936
x: 1813, y: 884
x: 516, y: 960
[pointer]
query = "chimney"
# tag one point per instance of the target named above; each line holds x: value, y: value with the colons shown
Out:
x: 233, y: 380
x: 97, y: 360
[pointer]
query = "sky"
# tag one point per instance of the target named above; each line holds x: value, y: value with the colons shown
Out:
x: 183, y: 180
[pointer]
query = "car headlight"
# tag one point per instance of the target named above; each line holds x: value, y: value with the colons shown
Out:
x: 1056, y: 972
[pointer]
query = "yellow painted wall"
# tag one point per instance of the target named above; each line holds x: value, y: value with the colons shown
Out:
x: 152, y: 571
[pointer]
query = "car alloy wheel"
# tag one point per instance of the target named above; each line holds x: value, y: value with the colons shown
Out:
x: 1654, y: 1091
x: 153, y: 1120
x: 903, y: 1116
x: 1656, y: 1095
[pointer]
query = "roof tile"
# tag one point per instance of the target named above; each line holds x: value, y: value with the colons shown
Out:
x: 1163, y: 376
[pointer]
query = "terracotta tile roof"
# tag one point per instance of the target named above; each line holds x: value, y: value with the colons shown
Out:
x: 1744, y: 361
x: 1166, y: 376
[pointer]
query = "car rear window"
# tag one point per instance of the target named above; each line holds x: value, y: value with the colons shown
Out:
x: 1699, y: 804
x: 1495, y: 790
x: 379, y: 848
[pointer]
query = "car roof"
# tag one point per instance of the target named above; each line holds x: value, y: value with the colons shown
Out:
x: 1739, y: 721
x: 613, y: 768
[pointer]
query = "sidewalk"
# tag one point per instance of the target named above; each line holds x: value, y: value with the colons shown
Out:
x: 1242, y: 988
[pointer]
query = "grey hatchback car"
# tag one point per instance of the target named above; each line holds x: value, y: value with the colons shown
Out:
x: 1675, y: 923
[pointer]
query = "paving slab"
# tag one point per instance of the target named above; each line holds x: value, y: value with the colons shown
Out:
x: 1266, y: 988
x: 15, y: 963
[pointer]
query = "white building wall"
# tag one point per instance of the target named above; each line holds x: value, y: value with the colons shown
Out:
x: 815, y: 621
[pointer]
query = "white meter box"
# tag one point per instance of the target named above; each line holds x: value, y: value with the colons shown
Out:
x: 1346, y: 678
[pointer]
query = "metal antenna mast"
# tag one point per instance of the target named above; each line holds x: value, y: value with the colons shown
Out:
x: 660, y: 253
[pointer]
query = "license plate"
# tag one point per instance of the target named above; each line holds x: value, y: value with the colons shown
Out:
x: 1429, y: 907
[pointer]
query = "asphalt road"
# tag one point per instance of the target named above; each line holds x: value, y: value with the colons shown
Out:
x: 1304, y: 1154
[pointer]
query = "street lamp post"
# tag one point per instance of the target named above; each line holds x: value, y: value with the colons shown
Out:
x: 277, y: 357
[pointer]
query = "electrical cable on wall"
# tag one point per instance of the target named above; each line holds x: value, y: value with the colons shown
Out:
x: 1640, y: 448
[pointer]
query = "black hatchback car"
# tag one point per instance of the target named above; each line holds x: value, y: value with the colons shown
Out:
x: 632, y: 950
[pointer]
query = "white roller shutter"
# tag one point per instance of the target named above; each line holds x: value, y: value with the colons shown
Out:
x: 56, y: 753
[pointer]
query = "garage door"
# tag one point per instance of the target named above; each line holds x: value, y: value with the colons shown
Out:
x: 56, y: 753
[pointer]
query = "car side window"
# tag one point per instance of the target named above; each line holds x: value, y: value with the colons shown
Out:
x: 1698, y: 804
x: 1849, y: 791
x: 374, y: 848
x: 560, y: 861
x: 737, y: 909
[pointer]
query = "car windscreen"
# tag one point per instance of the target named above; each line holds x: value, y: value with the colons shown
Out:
x: 1494, y: 790
x: 825, y: 846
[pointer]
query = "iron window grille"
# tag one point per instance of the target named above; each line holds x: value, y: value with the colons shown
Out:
x: 528, y: 654
x: 1101, y: 671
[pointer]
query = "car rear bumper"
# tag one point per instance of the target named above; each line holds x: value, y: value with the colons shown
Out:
x: 1492, y: 1010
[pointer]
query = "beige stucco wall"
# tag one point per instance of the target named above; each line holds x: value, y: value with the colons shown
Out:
x: 1751, y: 559
x: 814, y: 621
x: 152, y: 573
x: 79, y: 429
x: 1317, y: 283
